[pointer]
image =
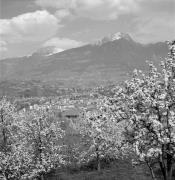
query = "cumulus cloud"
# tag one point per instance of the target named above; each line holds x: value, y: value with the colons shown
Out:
x: 108, y: 9
x: 95, y: 9
x: 63, y: 13
x: 62, y: 43
x: 35, y: 26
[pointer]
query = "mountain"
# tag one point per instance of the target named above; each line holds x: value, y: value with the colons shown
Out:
x: 110, y: 59
x: 47, y: 51
x: 113, y: 37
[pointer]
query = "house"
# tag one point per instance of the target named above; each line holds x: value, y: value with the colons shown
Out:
x: 72, y: 113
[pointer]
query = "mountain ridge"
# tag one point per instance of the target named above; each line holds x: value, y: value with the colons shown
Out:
x: 88, y: 65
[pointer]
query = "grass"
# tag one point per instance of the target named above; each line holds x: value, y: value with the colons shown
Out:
x: 120, y: 170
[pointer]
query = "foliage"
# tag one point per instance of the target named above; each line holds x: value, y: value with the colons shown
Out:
x: 147, y: 102
x: 102, y: 136
x: 36, y: 145
x: 41, y: 132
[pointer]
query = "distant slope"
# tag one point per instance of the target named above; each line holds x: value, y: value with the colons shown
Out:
x: 109, y: 59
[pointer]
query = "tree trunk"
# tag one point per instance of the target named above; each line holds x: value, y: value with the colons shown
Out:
x: 169, y: 175
x: 162, y: 167
x: 152, y: 171
x: 3, y: 130
x: 167, y: 172
x: 98, y: 163
x: 99, y: 166
x: 163, y: 162
x: 169, y: 164
x: 42, y: 177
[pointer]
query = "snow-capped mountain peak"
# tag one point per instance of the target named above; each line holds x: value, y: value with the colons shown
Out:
x: 119, y: 35
x: 113, y: 37
x: 47, y: 51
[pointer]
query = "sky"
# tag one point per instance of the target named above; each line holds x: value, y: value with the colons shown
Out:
x: 28, y: 25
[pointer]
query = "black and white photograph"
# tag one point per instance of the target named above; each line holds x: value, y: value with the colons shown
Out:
x: 87, y: 89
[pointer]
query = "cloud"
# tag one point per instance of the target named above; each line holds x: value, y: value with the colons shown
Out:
x: 63, y: 13
x: 152, y: 20
x: 108, y: 9
x: 3, y: 49
x: 155, y: 29
x: 3, y: 46
x: 35, y: 27
x: 155, y: 21
x: 94, y: 9
x: 63, y: 43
